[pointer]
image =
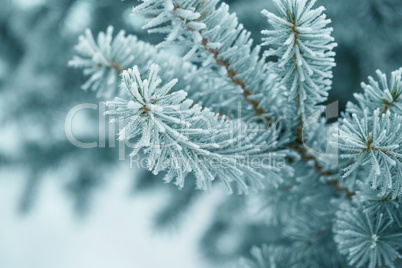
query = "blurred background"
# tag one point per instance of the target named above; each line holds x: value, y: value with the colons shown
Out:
x: 62, y: 206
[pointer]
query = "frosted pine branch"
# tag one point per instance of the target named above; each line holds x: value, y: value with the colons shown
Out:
x: 367, y: 239
x: 103, y: 60
x: 381, y: 94
x: 213, y: 37
x: 101, y: 63
x: 182, y: 137
x: 304, y: 49
x: 375, y: 140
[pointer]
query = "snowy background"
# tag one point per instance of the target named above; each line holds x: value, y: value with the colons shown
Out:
x: 118, y: 231
x: 65, y: 207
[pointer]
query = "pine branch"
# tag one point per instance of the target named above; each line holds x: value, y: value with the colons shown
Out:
x: 102, y: 57
x: 230, y: 71
x: 366, y: 238
x: 379, y: 95
x: 215, y: 39
x: 104, y: 60
x: 304, y: 48
x: 374, y: 140
x: 181, y: 137
x: 101, y: 62
x: 181, y: 12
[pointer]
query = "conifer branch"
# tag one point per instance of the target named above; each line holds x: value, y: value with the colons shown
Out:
x: 216, y: 39
x: 100, y: 62
x: 230, y: 71
x: 303, y: 42
x: 304, y: 47
x: 181, y: 137
x: 381, y: 94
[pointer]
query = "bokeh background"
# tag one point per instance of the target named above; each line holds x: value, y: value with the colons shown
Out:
x: 62, y: 206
